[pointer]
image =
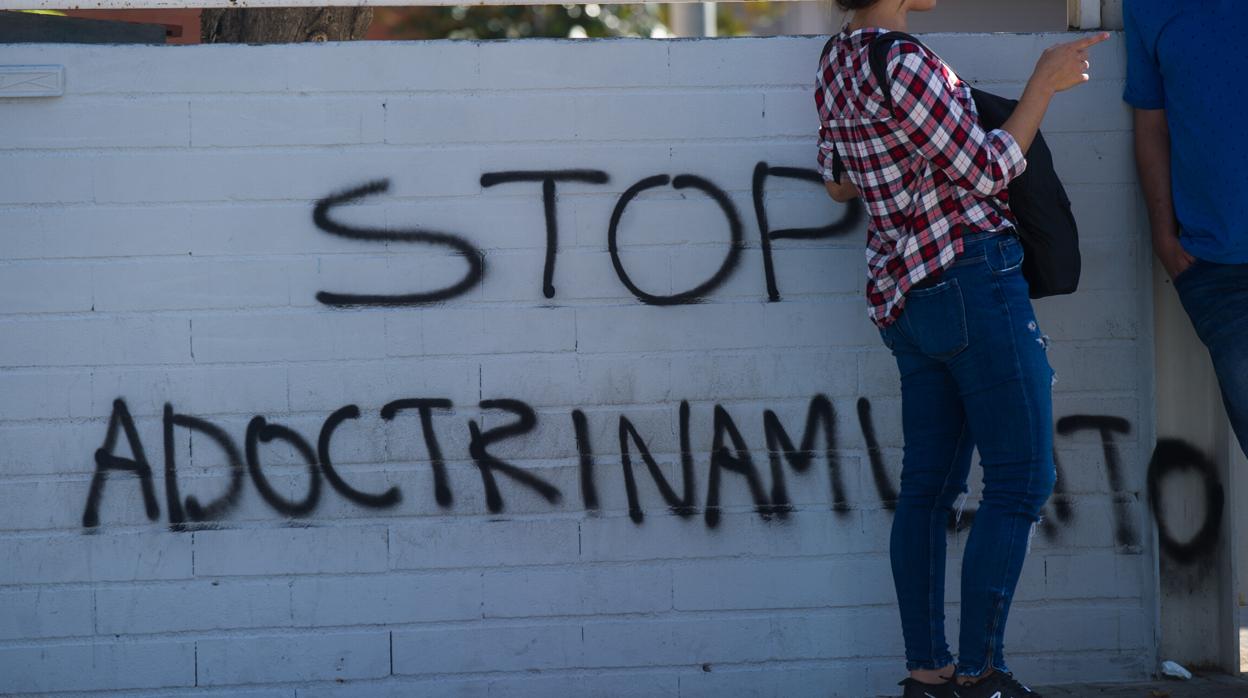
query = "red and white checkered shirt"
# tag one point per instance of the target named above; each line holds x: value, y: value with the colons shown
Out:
x: 923, y: 170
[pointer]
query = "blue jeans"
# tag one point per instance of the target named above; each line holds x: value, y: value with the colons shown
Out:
x: 974, y: 374
x: 1215, y: 297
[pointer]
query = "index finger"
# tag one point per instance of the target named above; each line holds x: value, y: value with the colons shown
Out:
x: 1090, y: 41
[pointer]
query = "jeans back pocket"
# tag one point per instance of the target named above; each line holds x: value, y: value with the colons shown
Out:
x: 1008, y: 257
x: 935, y: 319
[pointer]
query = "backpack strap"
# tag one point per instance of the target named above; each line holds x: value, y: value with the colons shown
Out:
x: 877, y: 57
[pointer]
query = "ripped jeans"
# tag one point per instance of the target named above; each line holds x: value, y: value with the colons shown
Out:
x: 974, y: 375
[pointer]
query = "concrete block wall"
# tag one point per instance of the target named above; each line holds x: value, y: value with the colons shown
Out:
x: 272, y: 522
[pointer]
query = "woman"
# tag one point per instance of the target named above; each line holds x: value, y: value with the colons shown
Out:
x: 945, y: 287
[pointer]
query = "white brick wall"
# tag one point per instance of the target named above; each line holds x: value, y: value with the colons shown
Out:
x: 157, y: 246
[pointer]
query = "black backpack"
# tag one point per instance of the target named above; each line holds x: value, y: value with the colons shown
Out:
x: 1046, y: 226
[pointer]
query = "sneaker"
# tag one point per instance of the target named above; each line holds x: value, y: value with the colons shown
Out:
x: 999, y: 684
x: 918, y: 689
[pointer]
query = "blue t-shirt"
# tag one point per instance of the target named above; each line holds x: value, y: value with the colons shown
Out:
x: 1190, y: 57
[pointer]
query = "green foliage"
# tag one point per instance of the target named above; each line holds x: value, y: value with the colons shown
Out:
x: 520, y: 21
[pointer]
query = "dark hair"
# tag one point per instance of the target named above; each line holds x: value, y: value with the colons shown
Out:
x: 848, y: 5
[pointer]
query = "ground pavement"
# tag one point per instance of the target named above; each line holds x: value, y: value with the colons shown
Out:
x: 1199, y: 687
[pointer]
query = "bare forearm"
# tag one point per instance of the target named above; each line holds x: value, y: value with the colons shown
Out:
x: 1024, y: 123
x: 841, y: 191
x: 1152, y: 160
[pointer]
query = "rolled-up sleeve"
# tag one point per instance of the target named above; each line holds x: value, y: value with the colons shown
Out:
x: 829, y: 162
x: 946, y: 134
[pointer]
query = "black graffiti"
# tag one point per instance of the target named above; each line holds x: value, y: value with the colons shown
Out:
x: 424, y: 407
x: 220, y: 506
x: 548, y: 178
x: 729, y: 454
x: 850, y: 219
x: 320, y: 216
x: 820, y: 415
x: 883, y: 486
x: 526, y: 420
x: 739, y: 462
x: 259, y: 431
x: 106, y: 461
x: 1172, y: 456
x: 697, y: 293
x: 1060, y: 501
x: 1108, y: 426
x: 681, y: 505
x: 392, y: 496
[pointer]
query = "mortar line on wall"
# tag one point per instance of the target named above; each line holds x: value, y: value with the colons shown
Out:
x: 1120, y: 607
x: 417, y: 147
x: 729, y: 352
x: 791, y: 138
x: 94, y: 188
x: 440, y: 198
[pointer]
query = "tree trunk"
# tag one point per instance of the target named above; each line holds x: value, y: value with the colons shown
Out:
x: 283, y: 25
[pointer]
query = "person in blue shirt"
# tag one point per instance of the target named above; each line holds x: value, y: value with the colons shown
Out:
x: 1187, y: 78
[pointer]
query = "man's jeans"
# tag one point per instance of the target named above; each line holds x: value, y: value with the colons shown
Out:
x: 974, y: 374
x: 1215, y: 296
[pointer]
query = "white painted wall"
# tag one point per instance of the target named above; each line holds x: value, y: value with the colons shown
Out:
x: 963, y: 16
x: 158, y: 247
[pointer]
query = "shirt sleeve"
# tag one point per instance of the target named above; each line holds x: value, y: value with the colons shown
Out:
x: 830, y: 166
x: 946, y: 134
x: 1144, y: 86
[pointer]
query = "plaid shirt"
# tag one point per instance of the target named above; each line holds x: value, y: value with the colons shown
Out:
x: 923, y: 171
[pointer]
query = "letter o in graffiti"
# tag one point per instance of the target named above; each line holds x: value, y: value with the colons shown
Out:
x: 695, y: 294
x: 259, y: 431
x: 1173, y: 455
